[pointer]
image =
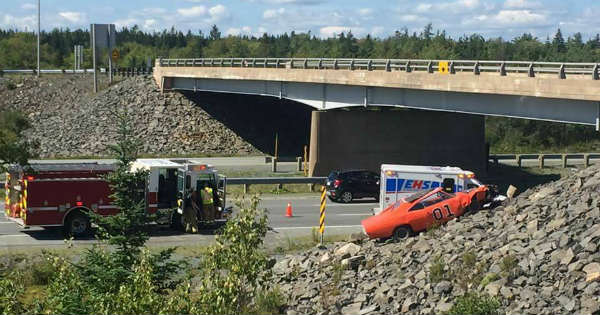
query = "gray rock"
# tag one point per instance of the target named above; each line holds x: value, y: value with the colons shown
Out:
x: 443, y: 287
x: 352, y: 309
x: 407, y: 305
x: 347, y: 250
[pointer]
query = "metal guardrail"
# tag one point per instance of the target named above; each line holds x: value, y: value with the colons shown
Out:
x: 531, y: 68
x: 276, y: 180
x: 126, y: 72
x: 542, y: 157
x: 48, y: 71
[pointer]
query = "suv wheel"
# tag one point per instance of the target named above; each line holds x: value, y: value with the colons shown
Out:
x: 346, y: 197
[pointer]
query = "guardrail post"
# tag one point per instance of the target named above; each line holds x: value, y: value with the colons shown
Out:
x: 595, y: 73
x: 299, y: 165
x: 311, y: 187
x: 519, y: 159
x: 320, y: 64
x: 335, y: 64
x: 370, y: 65
x: 388, y: 66
x: 561, y: 72
x: 305, y: 64
x: 221, y: 62
x: 246, y: 188
x: 541, y: 160
x: 265, y: 63
x: 564, y: 160
x: 253, y: 62
x: 430, y: 66
x: 476, y: 68
x: 352, y: 64
x: 531, y: 71
x: 274, y: 165
x: 503, y: 69
x: 452, y: 70
x: 408, y: 67
x: 277, y: 63
x: 586, y: 160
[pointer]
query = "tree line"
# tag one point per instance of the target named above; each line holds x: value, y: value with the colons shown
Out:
x: 136, y: 46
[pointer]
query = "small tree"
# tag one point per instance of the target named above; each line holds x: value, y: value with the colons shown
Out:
x: 235, y: 266
x: 14, y: 147
x: 126, y: 229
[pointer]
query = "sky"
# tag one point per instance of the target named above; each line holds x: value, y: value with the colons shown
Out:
x: 380, y: 18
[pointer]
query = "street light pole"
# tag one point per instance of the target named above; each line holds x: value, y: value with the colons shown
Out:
x: 38, y: 41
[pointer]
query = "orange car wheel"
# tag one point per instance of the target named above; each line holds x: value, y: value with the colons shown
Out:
x: 402, y: 232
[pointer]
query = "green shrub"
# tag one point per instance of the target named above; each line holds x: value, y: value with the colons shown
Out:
x: 10, y: 291
x: 469, y: 273
x: 268, y: 302
x: 490, y: 277
x: 38, y: 273
x: 475, y: 304
x: 436, y: 270
x: 509, y: 266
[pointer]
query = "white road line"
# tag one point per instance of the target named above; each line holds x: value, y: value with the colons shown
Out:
x: 350, y: 214
x: 310, y: 227
x: 14, y: 235
x: 7, y: 223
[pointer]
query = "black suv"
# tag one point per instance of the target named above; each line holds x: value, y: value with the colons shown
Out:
x: 344, y: 186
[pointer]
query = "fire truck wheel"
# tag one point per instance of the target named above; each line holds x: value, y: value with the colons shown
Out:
x: 77, y: 224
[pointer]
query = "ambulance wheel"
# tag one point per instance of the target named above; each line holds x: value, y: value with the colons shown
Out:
x: 346, y: 197
x: 402, y: 232
x: 77, y: 224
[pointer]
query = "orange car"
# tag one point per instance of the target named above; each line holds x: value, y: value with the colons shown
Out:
x: 421, y: 210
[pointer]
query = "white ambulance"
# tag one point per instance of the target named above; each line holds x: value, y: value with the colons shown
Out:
x: 399, y: 181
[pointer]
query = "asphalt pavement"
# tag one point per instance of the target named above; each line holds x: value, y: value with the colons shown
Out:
x: 341, y: 219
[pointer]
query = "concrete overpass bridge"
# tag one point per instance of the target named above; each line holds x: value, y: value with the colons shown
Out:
x: 560, y: 92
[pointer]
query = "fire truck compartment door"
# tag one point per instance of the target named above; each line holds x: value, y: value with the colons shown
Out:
x: 181, y: 190
x: 222, y: 190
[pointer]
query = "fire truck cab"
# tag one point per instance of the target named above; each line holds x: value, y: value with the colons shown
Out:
x: 60, y: 194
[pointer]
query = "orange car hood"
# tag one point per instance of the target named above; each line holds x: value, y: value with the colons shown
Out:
x: 384, y: 218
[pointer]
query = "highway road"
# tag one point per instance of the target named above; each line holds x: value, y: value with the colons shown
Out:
x: 341, y: 219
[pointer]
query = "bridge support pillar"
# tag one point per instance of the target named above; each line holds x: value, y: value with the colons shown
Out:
x: 366, y: 139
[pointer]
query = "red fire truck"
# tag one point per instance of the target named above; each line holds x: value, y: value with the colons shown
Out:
x: 60, y: 194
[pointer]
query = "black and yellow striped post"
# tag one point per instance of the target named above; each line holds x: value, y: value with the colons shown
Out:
x: 322, y: 216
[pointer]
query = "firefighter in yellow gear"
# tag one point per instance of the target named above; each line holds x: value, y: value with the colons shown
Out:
x: 190, y: 213
x: 208, y: 204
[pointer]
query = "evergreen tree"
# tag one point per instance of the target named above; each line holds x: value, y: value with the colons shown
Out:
x: 214, y: 34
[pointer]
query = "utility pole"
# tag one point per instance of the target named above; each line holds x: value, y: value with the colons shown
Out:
x: 93, y: 30
x: 38, y: 42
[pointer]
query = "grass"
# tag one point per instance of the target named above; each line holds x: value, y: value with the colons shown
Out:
x: 437, y: 271
x: 297, y: 244
x: 475, y: 303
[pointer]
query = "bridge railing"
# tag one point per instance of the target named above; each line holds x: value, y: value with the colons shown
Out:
x: 530, y: 68
x: 541, y: 158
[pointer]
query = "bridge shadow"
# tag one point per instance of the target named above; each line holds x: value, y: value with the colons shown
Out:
x: 257, y: 119
x: 522, y: 178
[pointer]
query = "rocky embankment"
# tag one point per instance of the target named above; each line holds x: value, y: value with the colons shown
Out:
x: 68, y: 120
x: 537, y: 254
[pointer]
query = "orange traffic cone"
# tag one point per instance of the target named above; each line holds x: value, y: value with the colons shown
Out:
x: 288, y: 210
